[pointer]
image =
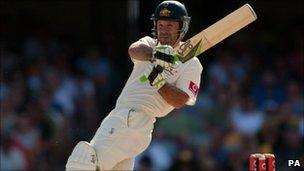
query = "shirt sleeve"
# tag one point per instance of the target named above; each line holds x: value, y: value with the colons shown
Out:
x: 147, y: 40
x: 189, y: 80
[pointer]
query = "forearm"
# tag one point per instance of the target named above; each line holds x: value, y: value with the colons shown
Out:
x: 140, y: 51
x: 173, y: 95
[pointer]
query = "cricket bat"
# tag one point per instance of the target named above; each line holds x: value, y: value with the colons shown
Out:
x: 213, y: 34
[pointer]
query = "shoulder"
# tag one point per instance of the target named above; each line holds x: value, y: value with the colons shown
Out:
x: 148, y: 41
x: 194, y: 63
x: 147, y: 38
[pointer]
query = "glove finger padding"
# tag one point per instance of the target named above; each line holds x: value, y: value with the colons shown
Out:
x: 159, y: 81
x: 157, y: 78
x: 154, y: 73
x: 163, y: 56
x: 166, y: 49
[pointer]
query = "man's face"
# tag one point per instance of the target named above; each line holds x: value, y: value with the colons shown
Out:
x: 167, y: 32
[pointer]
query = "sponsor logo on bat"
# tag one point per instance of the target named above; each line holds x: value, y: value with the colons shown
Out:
x: 192, y: 52
x: 184, y: 47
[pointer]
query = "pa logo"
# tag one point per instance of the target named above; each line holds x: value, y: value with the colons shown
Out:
x: 294, y: 163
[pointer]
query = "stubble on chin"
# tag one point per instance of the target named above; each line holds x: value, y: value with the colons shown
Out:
x: 165, y: 41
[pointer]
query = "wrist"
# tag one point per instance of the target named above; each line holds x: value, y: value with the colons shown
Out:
x: 166, y: 84
x: 158, y: 85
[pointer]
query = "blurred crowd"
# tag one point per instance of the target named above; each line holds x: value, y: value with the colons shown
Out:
x: 247, y: 104
x: 54, y: 94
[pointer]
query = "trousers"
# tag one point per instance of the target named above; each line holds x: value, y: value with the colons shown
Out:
x: 123, y: 134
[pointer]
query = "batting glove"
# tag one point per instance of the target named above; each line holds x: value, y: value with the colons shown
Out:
x: 163, y: 56
x: 157, y: 77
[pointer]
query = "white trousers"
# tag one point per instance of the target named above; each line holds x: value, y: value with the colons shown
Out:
x: 122, y: 135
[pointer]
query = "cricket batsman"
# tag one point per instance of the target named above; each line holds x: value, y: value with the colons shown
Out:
x: 127, y: 130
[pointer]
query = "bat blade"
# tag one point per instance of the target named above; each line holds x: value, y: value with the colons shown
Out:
x: 216, y: 33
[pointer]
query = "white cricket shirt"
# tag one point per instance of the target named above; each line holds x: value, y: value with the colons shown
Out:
x: 143, y: 97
